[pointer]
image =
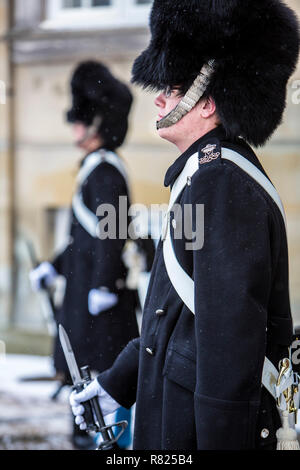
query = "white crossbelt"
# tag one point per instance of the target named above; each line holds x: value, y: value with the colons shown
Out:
x: 87, y: 219
x: 181, y: 281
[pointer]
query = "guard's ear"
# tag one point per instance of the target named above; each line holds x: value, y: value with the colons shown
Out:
x: 207, y: 107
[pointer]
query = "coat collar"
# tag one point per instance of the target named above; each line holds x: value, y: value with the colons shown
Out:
x: 178, y: 165
x: 90, y: 153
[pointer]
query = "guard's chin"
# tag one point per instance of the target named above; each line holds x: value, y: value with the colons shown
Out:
x: 166, y: 134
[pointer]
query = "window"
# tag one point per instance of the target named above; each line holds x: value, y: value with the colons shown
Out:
x: 96, y: 14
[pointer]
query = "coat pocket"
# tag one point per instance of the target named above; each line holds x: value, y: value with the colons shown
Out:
x: 224, y: 424
x: 181, y: 369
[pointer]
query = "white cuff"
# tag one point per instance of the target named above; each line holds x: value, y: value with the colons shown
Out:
x: 44, y: 272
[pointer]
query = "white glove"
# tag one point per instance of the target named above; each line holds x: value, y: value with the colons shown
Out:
x: 44, y: 272
x: 107, y: 403
x: 101, y: 300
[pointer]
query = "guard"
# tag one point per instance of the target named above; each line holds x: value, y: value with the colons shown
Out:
x: 98, y: 311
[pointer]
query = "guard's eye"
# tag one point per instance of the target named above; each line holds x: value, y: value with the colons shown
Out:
x: 168, y: 92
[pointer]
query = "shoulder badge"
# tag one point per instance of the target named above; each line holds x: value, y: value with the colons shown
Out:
x: 209, y: 153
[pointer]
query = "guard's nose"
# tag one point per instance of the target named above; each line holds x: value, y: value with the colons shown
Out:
x: 160, y: 100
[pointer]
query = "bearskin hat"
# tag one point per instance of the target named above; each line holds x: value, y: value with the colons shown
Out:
x: 97, y: 93
x: 255, y: 46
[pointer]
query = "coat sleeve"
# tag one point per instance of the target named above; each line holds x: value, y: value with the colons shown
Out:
x: 60, y: 260
x: 120, y: 381
x: 233, y: 275
x: 105, y: 186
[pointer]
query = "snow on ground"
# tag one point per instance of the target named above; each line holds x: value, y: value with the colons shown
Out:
x: 29, y: 419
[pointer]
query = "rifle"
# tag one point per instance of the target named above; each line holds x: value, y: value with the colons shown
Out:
x: 48, y: 305
x: 49, y: 311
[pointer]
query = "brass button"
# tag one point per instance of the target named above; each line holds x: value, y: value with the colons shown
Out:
x: 160, y: 312
x: 150, y: 351
x: 265, y: 433
x: 189, y: 181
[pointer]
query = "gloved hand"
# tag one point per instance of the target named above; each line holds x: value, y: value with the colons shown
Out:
x: 101, y: 300
x: 107, y: 403
x: 45, y: 272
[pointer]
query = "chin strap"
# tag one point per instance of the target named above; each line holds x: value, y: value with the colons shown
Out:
x: 190, y: 99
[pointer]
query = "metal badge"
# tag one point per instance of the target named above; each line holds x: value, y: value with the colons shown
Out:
x: 210, y: 154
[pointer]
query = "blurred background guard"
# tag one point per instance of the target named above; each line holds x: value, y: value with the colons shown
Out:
x: 98, y: 311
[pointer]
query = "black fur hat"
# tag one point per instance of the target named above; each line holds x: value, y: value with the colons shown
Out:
x: 97, y: 93
x: 255, y: 44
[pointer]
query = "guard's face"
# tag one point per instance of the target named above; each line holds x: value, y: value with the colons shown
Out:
x: 85, y: 138
x: 79, y: 133
x: 200, y: 120
x: 166, y: 102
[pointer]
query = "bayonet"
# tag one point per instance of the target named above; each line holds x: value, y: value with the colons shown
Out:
x: 69, y: 356
x: 93, y: 415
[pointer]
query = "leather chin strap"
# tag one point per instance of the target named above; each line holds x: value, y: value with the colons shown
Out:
x: 190, y: 99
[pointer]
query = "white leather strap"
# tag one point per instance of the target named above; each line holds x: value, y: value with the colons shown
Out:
x: 269, y: 377
x: 87, y: 219
x: 256, y: 174
x: 114, y: 160
x: 189, y: 170
x: 181, y: 281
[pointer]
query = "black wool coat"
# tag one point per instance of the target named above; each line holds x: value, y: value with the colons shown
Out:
x: 90, y: 263
x: 196, y: 380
